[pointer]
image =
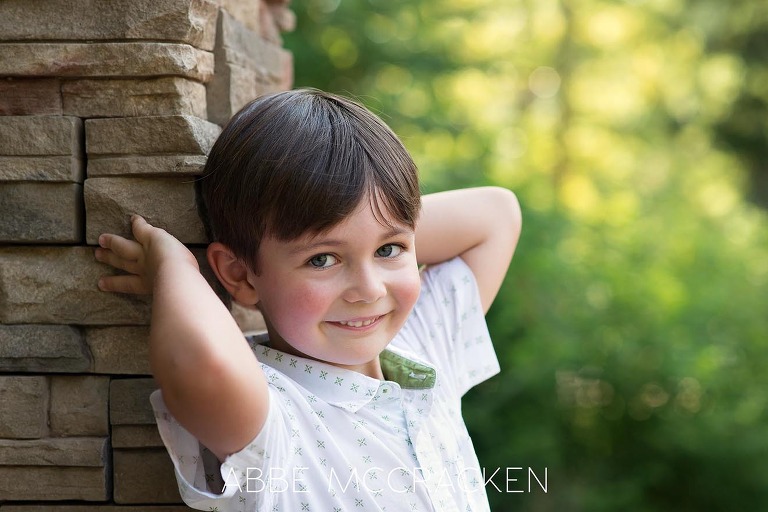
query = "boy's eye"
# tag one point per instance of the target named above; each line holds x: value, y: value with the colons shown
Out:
x: 389, y: 251
x: 322, y: 261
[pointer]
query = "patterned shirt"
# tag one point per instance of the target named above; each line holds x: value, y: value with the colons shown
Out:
x: 336, y: 440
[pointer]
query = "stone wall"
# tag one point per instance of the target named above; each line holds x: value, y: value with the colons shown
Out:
x: 107, y: 108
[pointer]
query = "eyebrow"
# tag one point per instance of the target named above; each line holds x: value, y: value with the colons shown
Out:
x: 332, y: 242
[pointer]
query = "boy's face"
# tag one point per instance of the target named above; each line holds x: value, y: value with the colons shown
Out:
x: 341, y: 296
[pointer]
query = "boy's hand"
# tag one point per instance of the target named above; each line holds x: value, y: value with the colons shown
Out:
x: 141, y: 259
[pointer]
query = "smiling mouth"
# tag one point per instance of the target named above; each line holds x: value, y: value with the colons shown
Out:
x: 359, y: 323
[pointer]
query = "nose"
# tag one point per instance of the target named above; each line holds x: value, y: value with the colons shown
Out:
x: 366, y: 284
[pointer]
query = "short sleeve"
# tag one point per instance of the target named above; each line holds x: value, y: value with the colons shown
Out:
x: 448, y: 326
x: 197, y: 470
x: 206, y: 484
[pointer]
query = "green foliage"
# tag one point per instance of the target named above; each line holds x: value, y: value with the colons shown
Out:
x: 632, y: 327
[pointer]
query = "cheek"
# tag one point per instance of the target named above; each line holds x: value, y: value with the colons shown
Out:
x: 301, y: 305
x: 407, y: 289
x: 311, y: 303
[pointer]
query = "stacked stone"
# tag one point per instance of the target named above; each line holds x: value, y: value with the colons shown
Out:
x: 106, y: 109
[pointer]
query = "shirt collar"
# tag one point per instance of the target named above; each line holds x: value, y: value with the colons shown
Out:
x: 344, y: 388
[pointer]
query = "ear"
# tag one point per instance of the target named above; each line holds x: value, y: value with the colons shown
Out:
x: 232, y: 274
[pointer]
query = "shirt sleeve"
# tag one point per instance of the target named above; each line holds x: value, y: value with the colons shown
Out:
x: 199, y: 477
x: 206, y: 484
x: 448, y: 325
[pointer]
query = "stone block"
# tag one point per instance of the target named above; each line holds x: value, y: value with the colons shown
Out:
x: 136, y: 436
x: 119, y: 350
x: 43, y: 348
x: 72, y: 451
x: 58, y: 285
x: 168, y: 203
x: 134, y: 98
x: 285, y: 77
x: 24, y: 402
x: 186, y: 21
x: 246, y: 13
x: 246, y: 65
x: 129, y: 401
x: 41, y: 212
x: 274, y: 18
x: 185, y: 135
x: 50, y: 483
x: 143, y: 476
x: 42, y: 168
x: 29, y: 97
x: 247, y: 48
x: 154, y: 165
x: 79, y: 406
x: 40, y: 135
x: 81, y: 60
x: 231, y: 89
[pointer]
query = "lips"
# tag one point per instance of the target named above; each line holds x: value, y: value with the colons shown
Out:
x: 358, y: 323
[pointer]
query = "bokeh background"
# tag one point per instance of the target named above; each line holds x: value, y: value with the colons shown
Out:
x: 633, y: 326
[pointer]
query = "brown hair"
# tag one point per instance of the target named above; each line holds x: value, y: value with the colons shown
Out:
x: 300, y: 162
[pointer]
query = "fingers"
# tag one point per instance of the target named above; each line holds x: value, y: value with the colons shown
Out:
x: 113, y: 259
x: 129, y: 249
x: 120, y: 253
x: 126, y: 255
x: 123, y: 284
x: 141, y: 229
x: 124, y: 248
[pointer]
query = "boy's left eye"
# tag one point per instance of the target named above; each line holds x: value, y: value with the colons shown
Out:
x: 389, y: 251
x: 322, y: 261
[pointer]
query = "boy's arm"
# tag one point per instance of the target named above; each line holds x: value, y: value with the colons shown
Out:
x: 210, y: 379
x: 481, y: 225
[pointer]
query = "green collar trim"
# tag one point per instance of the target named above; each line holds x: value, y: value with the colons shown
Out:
x: 408, y: 374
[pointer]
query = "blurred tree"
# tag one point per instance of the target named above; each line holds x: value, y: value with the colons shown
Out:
x: 632, y: 326
x: 742, y: 29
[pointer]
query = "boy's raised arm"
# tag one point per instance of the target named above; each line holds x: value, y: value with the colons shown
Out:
x: 210, y: 379
x: 481, y: 225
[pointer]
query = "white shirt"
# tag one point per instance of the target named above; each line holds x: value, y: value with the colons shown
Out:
x: 336, y: 440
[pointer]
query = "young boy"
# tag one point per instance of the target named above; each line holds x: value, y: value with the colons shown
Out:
x: 352, y: 399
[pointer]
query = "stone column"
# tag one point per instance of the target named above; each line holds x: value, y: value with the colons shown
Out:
x: 107, y: 108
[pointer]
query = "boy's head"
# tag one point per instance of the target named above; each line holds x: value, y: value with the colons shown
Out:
x: 300, y: 162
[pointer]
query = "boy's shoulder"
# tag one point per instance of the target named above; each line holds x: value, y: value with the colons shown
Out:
x: 447, y: 327
x: 448, y: 286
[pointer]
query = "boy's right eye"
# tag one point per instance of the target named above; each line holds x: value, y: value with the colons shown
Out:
x: 322, y: 261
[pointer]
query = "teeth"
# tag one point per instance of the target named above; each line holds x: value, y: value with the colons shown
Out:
x: 360, y: 323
